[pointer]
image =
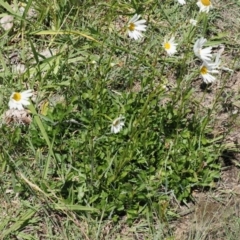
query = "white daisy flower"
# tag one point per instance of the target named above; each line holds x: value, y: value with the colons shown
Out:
x: 203, y: 53
x: 193, y: 22
x: 182, y: 2
x: 213, y: 67
x: 170, y: 46
x: 117, y: 124
x: 204, y: 5
x: 20, y: 99
x: 135, y: 27
x: 206, y: 70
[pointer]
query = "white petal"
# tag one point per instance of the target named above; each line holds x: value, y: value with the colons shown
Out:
x: 140, y: 28
x: 140, y: 22
x: 134, y: 18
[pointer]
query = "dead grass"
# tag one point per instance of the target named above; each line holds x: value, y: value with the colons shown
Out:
x: 214, y: 213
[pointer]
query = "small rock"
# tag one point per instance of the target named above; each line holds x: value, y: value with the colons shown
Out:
x: 6, y: 22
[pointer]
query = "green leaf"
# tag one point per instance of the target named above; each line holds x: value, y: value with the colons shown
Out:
x: 19, y: 222
x: 72, y: 207
x: 66, y: 32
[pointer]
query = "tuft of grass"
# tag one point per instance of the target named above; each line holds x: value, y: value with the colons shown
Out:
x: 66, y: 174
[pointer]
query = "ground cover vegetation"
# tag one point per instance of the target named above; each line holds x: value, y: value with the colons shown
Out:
x: 106, y: 118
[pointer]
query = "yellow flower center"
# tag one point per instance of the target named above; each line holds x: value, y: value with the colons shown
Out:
x: 167, y: 45
x: 131, y: 27
x: 17, y: 96
x: 206, y: 2
x: 204, y: 70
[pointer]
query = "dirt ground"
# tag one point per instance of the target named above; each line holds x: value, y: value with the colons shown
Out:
x: 214, y: 214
